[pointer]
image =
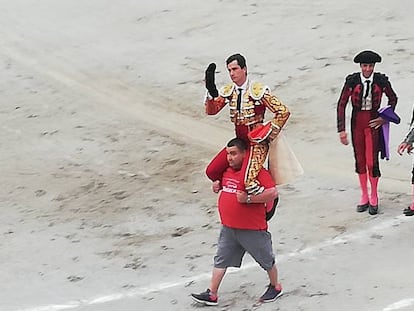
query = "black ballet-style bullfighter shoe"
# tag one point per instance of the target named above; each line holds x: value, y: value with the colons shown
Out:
x: 373, y: 209
x: 362, y: 207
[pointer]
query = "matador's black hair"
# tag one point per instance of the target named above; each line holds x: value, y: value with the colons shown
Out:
x: 240, y: 60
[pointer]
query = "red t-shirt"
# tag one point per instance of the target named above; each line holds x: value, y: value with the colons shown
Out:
x: 241, y: 215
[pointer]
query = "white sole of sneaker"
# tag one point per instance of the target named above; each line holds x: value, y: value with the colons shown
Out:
x: 271, y: 300
x: 207, y: 303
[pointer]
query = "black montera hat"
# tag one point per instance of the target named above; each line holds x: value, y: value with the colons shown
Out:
x: 367, y: 57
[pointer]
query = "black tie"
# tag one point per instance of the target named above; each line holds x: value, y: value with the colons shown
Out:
x: 367, y: 90
x: 239, y: 97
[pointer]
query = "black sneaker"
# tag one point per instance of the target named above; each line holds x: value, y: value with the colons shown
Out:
x: 271, y: 294
x: 206, y: 298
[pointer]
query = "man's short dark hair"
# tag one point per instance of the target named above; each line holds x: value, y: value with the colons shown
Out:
x: 239, y: 58
x: 239, y: 143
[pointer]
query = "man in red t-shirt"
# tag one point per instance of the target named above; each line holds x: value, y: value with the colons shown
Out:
x: 244, y: 226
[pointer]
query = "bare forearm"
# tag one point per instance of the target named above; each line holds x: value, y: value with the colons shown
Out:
x: 267, y: 195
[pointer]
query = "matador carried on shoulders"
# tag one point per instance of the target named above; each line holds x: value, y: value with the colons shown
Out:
x: 247, y: 101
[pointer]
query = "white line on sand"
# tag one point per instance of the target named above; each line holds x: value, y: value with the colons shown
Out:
x: 400, y: 304
x: 182, y: 282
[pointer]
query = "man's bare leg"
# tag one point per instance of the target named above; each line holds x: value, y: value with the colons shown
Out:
x: 217, y: 277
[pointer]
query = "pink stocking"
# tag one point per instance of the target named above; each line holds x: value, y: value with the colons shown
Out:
x: 374, y: 194
x: 364, y: 189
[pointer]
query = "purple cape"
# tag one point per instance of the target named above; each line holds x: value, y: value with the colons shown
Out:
x: 388, y: 114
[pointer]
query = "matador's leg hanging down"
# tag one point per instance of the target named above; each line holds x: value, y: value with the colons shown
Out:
x: 253, y: 165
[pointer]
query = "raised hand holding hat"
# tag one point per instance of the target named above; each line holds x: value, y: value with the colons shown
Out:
x: 210, y: 80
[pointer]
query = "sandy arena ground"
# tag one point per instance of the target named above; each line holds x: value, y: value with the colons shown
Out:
x: 104, y: 141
